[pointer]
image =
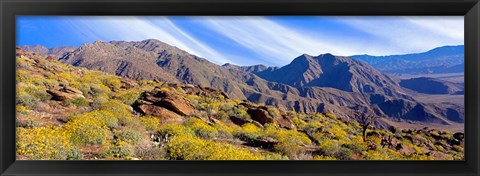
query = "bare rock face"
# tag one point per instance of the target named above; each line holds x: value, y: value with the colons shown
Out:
x: 260, y: 115
x: 157, y: 111
x: 286, y: 123
x: 239, y: 121
x: 404, y: 149
x: 164, y: 103
x: 264, y: 142
x: 177, y: 105
x: 71, y: 90
x: 128, y: 84
x: 459, y: 136
x: 65, y: 93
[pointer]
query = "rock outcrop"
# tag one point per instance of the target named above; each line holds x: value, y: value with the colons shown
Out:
x: 165, y: 104
x: 65, y: 93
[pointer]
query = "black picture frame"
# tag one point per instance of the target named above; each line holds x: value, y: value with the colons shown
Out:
x: 11, y: 8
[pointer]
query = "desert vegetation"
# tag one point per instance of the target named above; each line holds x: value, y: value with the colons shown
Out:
x: 72, y: 113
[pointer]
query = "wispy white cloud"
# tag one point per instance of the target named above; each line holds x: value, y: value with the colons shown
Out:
x: 452, y: 27
x: 270, y: 39
x: 398, y: 35
x: 270, y: 42
x: 137, y: 29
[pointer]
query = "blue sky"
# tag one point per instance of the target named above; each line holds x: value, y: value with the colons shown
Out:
x: 270, y: 40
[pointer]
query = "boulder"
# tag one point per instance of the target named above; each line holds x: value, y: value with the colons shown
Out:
x: 459, y: 136
x: 179, y: 106
x: 239, y: 121
x: 443, y: 144
x: 128, y: 84
x: 62, y: 96
x: 260, y: 115
x: 438, y: 155
x: 71, y: 90
x: 247, y: 105
x: 389, y: 141
x: 168, y: 100
x: 151, y: 99
x: 407, y: 131
x: 404, y: 149
x: 264, y: 142
x: 286, y: 123
x: 162, y: 113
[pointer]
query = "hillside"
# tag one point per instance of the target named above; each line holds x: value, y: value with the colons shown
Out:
x: 446, y: 59
x: 55, y: 52
x: 71, y: 113
x: 324, y: 83
x: 435, y: 86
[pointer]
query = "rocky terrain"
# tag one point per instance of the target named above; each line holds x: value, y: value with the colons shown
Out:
x: 72, y: 113
x: 55, y: 52
x: 432, y: 86
x: 323, y: 83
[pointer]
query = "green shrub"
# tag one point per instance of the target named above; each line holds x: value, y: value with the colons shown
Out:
x: 291, y: 150
x: 128, y: 135
x: 26, y: 100
x: 99, y: 89
x: 122, y: 149
x: 80, y: 102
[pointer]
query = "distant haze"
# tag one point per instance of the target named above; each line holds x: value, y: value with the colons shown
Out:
x: 272, y: 41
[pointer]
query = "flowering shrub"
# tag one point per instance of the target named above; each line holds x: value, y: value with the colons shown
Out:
x: 44, y: 143
x: 201, y: 128
x: 225, y: 130
x: 91, y: 128
x: 113, y: 82
x: 322, y: 157
x: 249, y: 132
x: 128, y: 96
x: 186, y: 147
x: 174, y: 129
x: 149, y: 122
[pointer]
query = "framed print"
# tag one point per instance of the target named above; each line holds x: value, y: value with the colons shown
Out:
x: 235, y: 88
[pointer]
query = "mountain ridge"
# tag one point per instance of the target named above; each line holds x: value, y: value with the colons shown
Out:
x: 361, y: 85
x: 436, y: 60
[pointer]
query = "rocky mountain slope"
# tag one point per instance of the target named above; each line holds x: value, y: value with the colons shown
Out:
x: 432, y: 86
x: 250, y: 69
x: 446, y: 59
x: 72, y: 113
x: 55, y: 52
x: 324, y: 83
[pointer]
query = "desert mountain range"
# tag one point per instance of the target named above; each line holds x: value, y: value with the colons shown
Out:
x: 323, y: 83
